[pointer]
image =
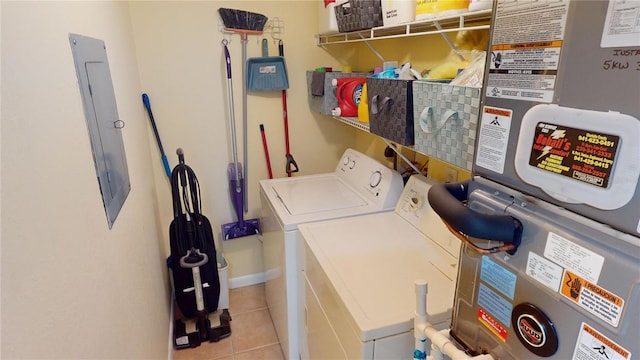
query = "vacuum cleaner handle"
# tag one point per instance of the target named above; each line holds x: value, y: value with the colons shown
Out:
x: 183, y: 177
x: 187, y: 176
x: 180, y: 154
x: 194, y: 258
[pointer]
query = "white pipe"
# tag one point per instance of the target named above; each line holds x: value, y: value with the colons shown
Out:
x: 439, y: 339
x: 421, y: 289
x: 435, y: 354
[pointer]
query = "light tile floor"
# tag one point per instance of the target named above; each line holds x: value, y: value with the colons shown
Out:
x: 252, y: 333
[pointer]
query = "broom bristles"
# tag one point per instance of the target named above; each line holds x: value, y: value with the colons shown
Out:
x: 241, y: 19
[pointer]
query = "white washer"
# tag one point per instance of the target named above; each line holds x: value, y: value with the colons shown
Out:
x: 360, y: 274
x: 359, y: 185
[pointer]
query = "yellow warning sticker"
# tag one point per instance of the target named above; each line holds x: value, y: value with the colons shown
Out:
x: 592, y: 344
x: 593, y: 298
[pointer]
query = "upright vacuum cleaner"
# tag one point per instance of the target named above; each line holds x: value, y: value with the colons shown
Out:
x: 193, y: 263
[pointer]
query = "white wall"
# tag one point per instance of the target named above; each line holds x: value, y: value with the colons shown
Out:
x: 72, y: 288
x: 182, y: 69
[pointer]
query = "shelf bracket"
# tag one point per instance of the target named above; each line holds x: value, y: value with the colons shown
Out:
x: 407, y: 161
x: 372, y: 48
x: 446, y: 38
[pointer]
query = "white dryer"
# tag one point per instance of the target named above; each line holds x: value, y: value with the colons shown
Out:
x: 360, y: 274
x: 359, y: 185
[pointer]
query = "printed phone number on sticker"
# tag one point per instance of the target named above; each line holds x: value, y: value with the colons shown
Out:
x: 597, y: 139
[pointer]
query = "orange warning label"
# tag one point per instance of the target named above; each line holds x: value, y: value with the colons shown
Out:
x: 593, y: 298
x: 592, y: 344
x: 492, y: 324
x: 496, y: 111
x: 531, y: 45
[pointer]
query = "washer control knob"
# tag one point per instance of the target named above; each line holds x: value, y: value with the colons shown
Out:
x: 375, y: 179
x: 352, y: 164
x: 345, y: 160
x: 415, y: 202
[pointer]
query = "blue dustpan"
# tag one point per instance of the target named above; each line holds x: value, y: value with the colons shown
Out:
x: 267, y: 73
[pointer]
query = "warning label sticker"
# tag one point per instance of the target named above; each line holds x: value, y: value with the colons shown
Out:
x: 493, y: 138
x: 593, y: 298
x: 525, y: 70
x: 592, y: 345
x: 492, y: 324
x: 525, y: 51
x: 586, y: 156
x: 527, y: 58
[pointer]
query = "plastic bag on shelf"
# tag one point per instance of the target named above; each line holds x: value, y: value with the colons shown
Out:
x: 473, y: 74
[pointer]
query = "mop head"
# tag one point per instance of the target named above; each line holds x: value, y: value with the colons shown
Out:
x: 242, y: 20
x: 240, y: 229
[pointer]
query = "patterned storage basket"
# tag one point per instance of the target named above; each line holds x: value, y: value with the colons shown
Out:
x: 355, y: 15
x: 324, y: 100
x: 391, y: 109
x: 446, y: 120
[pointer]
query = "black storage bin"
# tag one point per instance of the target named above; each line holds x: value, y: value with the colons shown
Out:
x: 391, y: 109
x: 355, y: 15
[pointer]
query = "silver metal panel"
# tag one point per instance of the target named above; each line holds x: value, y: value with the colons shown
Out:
x: 589, y: 77
x: 103, y: 123
x: 576, y: 271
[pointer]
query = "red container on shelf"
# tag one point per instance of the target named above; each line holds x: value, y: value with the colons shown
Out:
x: 348, y: 93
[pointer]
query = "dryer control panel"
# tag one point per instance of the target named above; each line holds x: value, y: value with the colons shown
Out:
x: 371, y: 178
x: 414, y: 207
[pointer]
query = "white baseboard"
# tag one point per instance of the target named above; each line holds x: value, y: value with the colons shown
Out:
x: 170, y: 349
x: 247, y: 280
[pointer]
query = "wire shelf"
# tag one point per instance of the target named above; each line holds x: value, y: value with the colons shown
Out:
x: 476, y: 20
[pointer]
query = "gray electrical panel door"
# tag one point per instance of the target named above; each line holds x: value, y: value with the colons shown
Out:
x: 103, y: 123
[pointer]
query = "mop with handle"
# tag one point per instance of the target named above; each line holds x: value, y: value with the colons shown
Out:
x: 237, y: 185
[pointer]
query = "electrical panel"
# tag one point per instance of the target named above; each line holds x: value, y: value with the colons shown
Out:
x: 103, y: 123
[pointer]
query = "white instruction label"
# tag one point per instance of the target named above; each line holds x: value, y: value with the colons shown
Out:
x: 545, y: 271
x: 592, y: 345
x: 622, y: 24
x: 493, y: 138
x: 574, y: 257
